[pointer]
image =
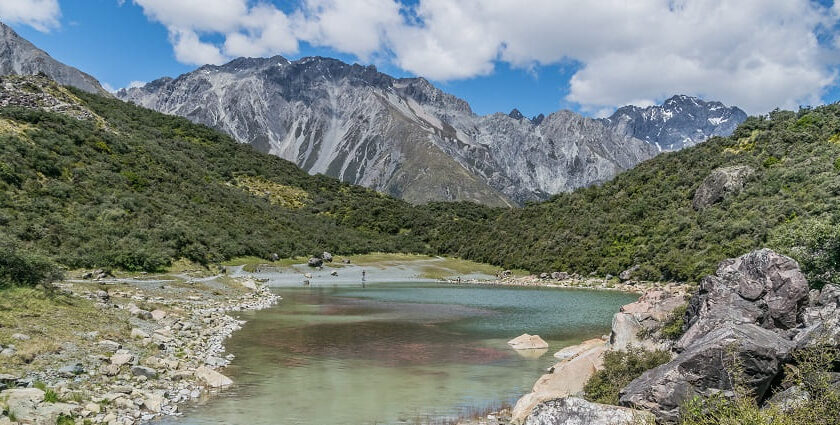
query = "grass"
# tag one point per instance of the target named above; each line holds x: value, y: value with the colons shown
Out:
x: 49, y: 321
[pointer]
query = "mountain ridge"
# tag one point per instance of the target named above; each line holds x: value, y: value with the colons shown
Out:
x: 20, y: 57
x: 355, y: 123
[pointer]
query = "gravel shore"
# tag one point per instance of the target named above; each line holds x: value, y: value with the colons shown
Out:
x: 168, y: 352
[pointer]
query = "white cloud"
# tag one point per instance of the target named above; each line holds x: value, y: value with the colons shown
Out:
x: 758, y: 54
x: 42, y: 15
x: 189, y: 49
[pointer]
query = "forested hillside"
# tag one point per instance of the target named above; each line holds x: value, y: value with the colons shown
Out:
x: 130, y: 188
x: 645, y: 216
x: 90, y: 181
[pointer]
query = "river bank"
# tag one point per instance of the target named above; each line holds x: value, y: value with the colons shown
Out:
x: 133, y: 350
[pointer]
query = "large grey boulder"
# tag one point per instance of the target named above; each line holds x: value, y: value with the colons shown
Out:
x: 721, y: 183
x: 315, y: 262
x: 706, y: 368
x: 577, y: 411
x: 762, y: 288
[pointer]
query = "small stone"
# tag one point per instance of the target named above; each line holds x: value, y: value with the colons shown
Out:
x: 21, y: 337
x: 109, y: 346
x: 93, y: 408
x: 144, y: 371
x: 137, y: 333
x: 71, y: 371
x: 122, y: 357
x: 158, y: 315
x: 212, y: 378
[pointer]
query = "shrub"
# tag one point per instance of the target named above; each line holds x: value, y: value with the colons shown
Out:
x: 815, y: 244
x: 620, y: 368
x: 673, y: 327
x: 19, y: 267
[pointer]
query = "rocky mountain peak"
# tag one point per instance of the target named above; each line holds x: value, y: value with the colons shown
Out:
x: 515, y: 114
x: 20, y: 57
x: 680, y: 121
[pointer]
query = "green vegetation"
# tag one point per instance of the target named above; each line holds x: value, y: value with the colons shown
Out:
x: 644, y: 216
x: 620, y: 368
x: 133, y: 189
x: 673, y: 326
x: 811, y: 376
x: 145, y: 189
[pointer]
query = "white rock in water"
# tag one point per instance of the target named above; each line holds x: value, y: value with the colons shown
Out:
x: 212, y: 378
x: 528, y: 342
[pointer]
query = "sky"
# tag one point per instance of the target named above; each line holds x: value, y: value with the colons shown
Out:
x: 538, y: 56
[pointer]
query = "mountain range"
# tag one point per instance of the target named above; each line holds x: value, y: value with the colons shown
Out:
x: 409, y: 139
x: 402, y: 136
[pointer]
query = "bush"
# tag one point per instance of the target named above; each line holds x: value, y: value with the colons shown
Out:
x: 620, y: 368
x: 815, y: 244
x: 21, y: 268
x: 674, y: 325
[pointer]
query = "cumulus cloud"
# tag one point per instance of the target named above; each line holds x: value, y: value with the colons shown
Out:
x: 42, y: 15
x: 758, y: 54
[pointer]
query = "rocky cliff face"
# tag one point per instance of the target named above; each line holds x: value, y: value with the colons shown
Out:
x: 679, y: 122
x: 20, y: 57
x: 400, y: 136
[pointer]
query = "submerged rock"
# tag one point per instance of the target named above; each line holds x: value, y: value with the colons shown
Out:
x: 528, y: 342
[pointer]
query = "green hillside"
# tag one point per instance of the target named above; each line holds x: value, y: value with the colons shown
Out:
x: 645, y: 216
x: 130, y: 188
x: 88, y: 181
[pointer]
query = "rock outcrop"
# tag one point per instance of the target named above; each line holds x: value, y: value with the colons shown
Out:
x: 762, y: 288
x: 747, y: 318
x: 577, y: 411
x: 20, y: 57
x: 645, y: 317
x: 719, y: 184
x: 705, y: 369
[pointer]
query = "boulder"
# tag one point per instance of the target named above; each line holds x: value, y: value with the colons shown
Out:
x: 559, y: 275
x: 71, y: 371
x: 327, y: 257
x: 570, y: 352
x: 719, y: 184
x: 644, y: 316
x: 109, y: 346
x: 577, y: 411
x: 528, y: 342
x: 762, y: 287
x: 563, y: 379
x: 315, y: 262
x: 212, y: 378
x: 704, y: 369
x: 21, y: 337
x: 121, y: 357
x: 158, y: 315
x: 628, y: 274
x: 138, y: 333
x: 144, y: 371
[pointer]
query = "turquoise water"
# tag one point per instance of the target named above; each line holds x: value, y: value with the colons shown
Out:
x: 395, y: 352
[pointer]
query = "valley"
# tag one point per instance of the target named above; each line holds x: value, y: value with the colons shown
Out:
x: 310, y: 241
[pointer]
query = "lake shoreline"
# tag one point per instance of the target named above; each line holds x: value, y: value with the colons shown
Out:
x: 167, y: 353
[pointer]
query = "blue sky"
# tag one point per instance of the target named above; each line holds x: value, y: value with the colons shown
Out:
x: 589, y: 58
